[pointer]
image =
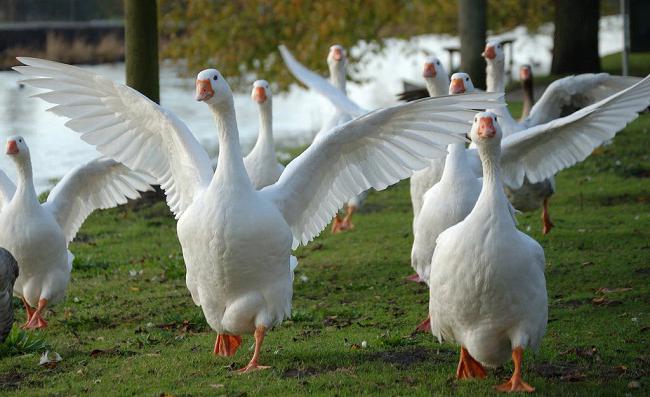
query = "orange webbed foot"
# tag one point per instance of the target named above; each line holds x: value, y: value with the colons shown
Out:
x: 468, y: 367
x: 414, y: 277
x: 252, y: 366
x: 516, y: 384
x: 424, y: 326
x: 226, y: 345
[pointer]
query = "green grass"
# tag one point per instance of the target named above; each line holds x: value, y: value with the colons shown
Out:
x: 128, y: 325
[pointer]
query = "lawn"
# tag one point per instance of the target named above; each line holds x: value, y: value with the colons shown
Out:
x: 128, y: 325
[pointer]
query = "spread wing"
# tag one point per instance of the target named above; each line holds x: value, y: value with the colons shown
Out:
x: 125, y: 125
x: 321, y: 85
x: 541, y: 151
x: 101, y: 183
x: 7, y: 189
x: 375, y: 150
x: 568, y: 94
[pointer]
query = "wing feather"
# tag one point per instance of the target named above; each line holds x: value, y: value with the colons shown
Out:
x: 372, y: 151
x: 125, y: 126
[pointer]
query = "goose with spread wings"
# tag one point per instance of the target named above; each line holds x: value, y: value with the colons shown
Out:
x: 38, y: 234
x: 237, y: 241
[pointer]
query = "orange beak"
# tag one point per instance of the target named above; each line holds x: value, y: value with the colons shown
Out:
x: 429, y: 70
x: 457, y: 87
x: 524, y: 74
x: 337, y: 54
x: 259, y: 95
x: 489, y: 52
x: 12, y: 147
x: 204, y: 90
x: 486, y: 128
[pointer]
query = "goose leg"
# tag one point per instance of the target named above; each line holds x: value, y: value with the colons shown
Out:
x: 468, y: 367
x: 253, y: 365
x: 546, y: 218
x: 516, y: 384
x: 29, y: 312
x: 424, y: 326
x: 37, y: 321
x: 347, y: 221
x: 336, y: 224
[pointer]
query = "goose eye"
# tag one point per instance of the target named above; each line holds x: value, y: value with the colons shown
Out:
x: 466, y: 78
x: 215, y: 78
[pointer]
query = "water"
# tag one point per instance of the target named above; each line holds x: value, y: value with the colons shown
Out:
x: 297, y: 114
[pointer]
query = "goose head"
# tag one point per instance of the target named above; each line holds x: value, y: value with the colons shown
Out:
x: 461, y: 83
x: 525, y: 72
x: 494, y: 51
x: 433, y: 69
x: 211, y: 87
x: 486, y: 131
x: 17, y: 148
x: 261, y: 92
x: 337, y: 59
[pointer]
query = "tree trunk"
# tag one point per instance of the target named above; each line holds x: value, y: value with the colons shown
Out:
x: 141, y: 39
x: 575, y: 41
x: 472, y: 23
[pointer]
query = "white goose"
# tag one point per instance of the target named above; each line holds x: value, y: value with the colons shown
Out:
x: 421, y: 182
x: 564, y: 94
x: 561, y: 97
x: 261, y: 163
x: 437, y: 82
x: 487, y: 285
x: 38, y: 234
x: 447, y: 202
x: 237, y: 241
x: 345, y: 109
x: 8, y: 274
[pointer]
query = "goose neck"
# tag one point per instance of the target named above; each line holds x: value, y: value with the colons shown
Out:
x: 338, y: 78
x: 437, y: 86
x: 529, y: 97
x: 495, y: 80
x: 230, y: 162
x: 265, y: 136
x: 455, y: 163
x: 25, y: 187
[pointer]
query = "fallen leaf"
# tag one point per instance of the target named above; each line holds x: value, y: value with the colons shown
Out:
x: 606, y: 290
x: 216, y: 386
x: 635, y: 384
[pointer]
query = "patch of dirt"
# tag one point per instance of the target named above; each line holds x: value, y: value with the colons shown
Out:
x: 567, y: 372
x: 11, y: 380
x: 405, y: 358
x: 300, y: 373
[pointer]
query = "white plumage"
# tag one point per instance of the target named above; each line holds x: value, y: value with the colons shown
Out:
x: 237, y: 241
x: 487, y: 285
x: 38, y: 235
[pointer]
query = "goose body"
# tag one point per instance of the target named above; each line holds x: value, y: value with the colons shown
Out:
x: 261, y: 163
x: 445, y: 204
x: 487, y: 285
x: 237, y: 241
x: 8, y: 275
x: 38, y: 234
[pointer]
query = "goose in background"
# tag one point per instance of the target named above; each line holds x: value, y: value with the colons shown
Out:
x: 38, y: 234
x: 528, y: 90
x: 8, y: 276
x: 261, y: 163
x: 344, y: 110
x: 487, y: 290
x: 437, y: 84
x: 562, y: 97
x: 237, y: 241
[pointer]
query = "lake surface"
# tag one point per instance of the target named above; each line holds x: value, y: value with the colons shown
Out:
x: 297, y: 114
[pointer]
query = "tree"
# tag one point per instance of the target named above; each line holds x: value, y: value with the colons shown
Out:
x: 141, y: 39
x: 575, y: 41
x: 240, y: 37
x: 472, y: 21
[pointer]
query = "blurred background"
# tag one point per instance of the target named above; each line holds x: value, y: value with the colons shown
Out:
x: 387, y: 41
